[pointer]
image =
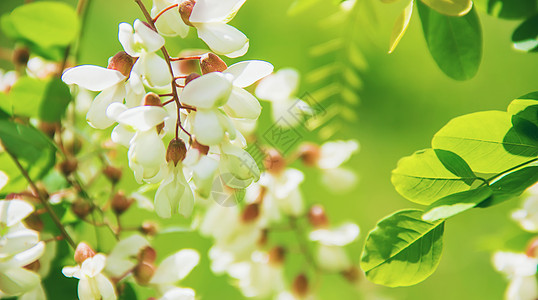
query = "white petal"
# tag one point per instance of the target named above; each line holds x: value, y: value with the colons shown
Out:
x: 248, y: 72
x: 222, y: 38
x: 143, y: 118
x: 18, y: 240
x: 115, y: 109
x: 122, y: 134
x: 3, y: 180
x: 339, y: 180
x: 339, y: 236
x: 240, y: 52
x: 151, y: 40
x: 333, y: 154
x: 96, y: 115
x: 14, y: 211
x: 170, y: 22
x: 134, y: 91
x: 522, y: 288
x: 126, y: 38
x: 92, y: 78
x: 207, y: 127
x: 106, y: 288
x: 36, y: 293
x: 118, y: 261
x: 93, y: 265
x: 16, y: 281
x: 208, y: 91
x: 154, y: 69
x: 148, y: 151
x: 71, y: 271
x: 279, y: 86
x: 203, y: 174
x: 176, y: 267
x: 170, y: 192
x: 179, y: 294
x: 332, y: 258
x: 242, y: 105
x: 515, y: 264
x: 87, y: 290
x: 215, y: 10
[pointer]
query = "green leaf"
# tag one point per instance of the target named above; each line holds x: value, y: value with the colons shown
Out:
x: 511, y: 9
x: 403, y: 249
x: 6, y: 108
x: 512, y: 185
x: 46, y: 24
x: 455, y: 43
x: 525, y: 107
x: 487, y: 140
x: 400, y: 26
x: 525, y: 37
x: 454, y: 204
x: 450, y: 8
x: 56, y: 98
x: 429, y: 175
x: 26, y: 96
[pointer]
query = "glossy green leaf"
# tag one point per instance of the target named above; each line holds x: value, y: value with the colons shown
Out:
x: 429, y: 175
x: 455, y: 43
x: 512, y: 185
x: 525, y: 37
x: 46, y: 23
x: 488, y: 141
x: 511, y: 9
x: 56, y: 98
x: 454, y: 204
x: 403, y: 249
x: 400, y: 26
x: 450, y: 8
x: 525, y: 107
x: 26, y: 96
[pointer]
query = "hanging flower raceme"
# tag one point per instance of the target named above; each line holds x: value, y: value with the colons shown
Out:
x: 113, y: 83
x: 521, y: 271
x: 331, y: 255
x: 527, y: 216
x: 143, y: 42
x: 19, y: 247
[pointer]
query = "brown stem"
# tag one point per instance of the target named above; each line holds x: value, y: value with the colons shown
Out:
x: 185, y: 58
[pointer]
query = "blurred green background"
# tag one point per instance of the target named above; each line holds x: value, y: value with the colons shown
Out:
x: 405, y: 99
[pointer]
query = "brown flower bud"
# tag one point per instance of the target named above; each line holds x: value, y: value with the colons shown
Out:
x: 263, y: 238
x: 187, y: 66
x: 309, y: 154
x: 81, y: 208
x: 191, y: 77
x: 274, y: 162
x: 277, y: 255
x: 147, y: 255
x: 185, y: 10
x: 300, y: 285
x: 143, y: 273
x: 33, y: 221
x: 211, y: 62
x: 68, y: 166
x: 532, y: 248
x: 176, y: 151
x: 149, y: 228
x: 203, y: 149
x: 352, y: 274
x: 317, y: 216
x: 112, y: 173
x: 21, y: 56
x: 83, y: 252
x: 122, y: 62
x: 250, y: 213
x: 120, y: 203
x: 152, y: 99
x: 33, y: 266
x: 48, y: 128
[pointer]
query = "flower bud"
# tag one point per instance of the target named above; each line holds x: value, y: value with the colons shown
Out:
x: 83, y: 252
x: 277, y: 255
x: 274, y: 162
x: 152, y: 99
x: 352, y: 274
x: 203, y: 149
x: 176, y: 151
x: 21, y: 56
x: 532, y: 248
x: 48, y: 128
x: 250, y: 213
x: 113, y: 174
x: 309, y: 154
x: 300, y: 285
x: 120, y: 203
x: 143, y: 273
x: 185, y: 10
x: 149, y: 228
x: 68, y: 166
x: 187, y: 66
x: 81, y: 208
x: 122, y: 62
x: 147, y: 255
x: 211, y: 62
x: 317, y: 216
x: 34, y: 222
x: 191, y: 77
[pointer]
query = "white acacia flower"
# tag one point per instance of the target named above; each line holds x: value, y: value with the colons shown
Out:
x: 173, y: 269
x: 40, y: 68
x: 19, y: 246
x: 120, y: 259
x: 92, y: 285
x: 174, y: 194
x: 143, y: 42
x: 204, y: 169
x: 282, y: 193
x: 521, y: 271
x: 7, y: 80
x: 177, y: 293
x: 238, y: 167
x: 527, y: 216
x: 169, y: 23
x: 331, y: 255
x: 210, y: 18
x: 332, y: 156
x: 280, y: 88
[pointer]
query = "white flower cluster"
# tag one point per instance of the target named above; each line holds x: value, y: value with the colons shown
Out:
x: 198, y: 121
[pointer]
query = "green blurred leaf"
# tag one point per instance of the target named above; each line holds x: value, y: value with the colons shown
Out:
x: 403, y: 249
x: 511, y: 9
x: 454, y: 204
x: 429, y: 175
x: 487, y: 141
x: 26, y: 96
x: 525, y: 37
x: 525, y: 107
x: 400, y: 26
x: 45, y: 23
x: 455, y: 43
x: 6, y: 108
x: 56, y: 98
